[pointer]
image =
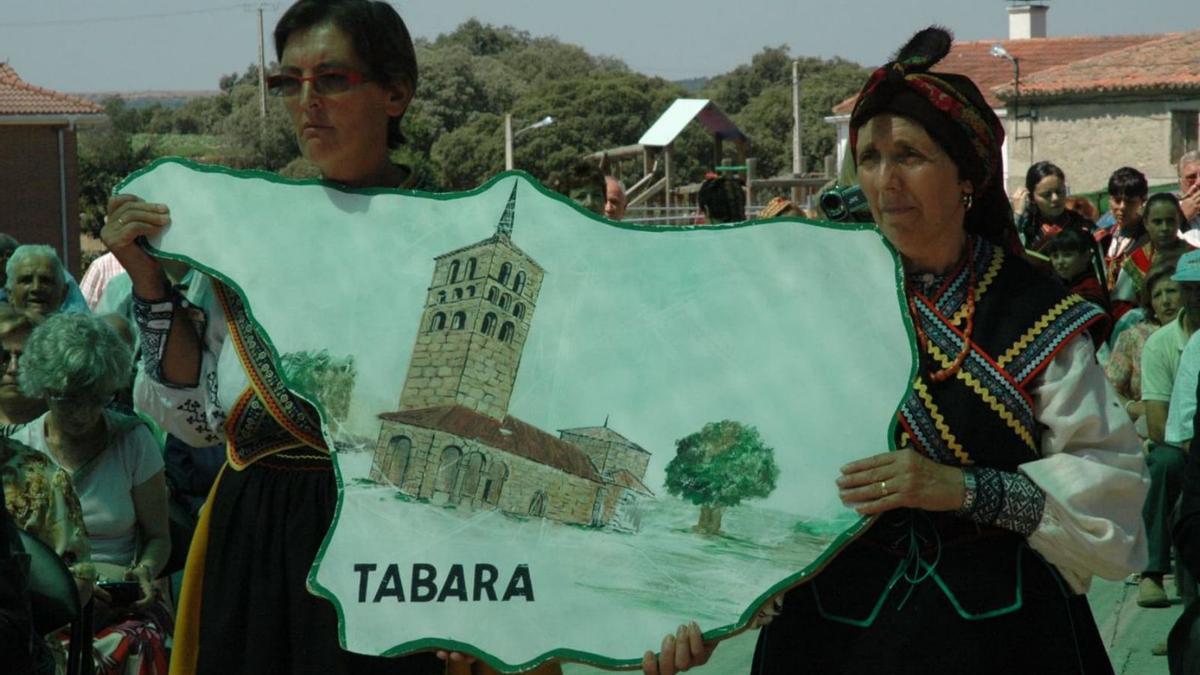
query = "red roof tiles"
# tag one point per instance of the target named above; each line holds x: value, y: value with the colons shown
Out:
x: 974, y: 59
x: 18, y: 97
x: 1170, y: 62
x: 512, y: 435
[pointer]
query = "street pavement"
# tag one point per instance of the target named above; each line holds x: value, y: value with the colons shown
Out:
x: 1128, y: 631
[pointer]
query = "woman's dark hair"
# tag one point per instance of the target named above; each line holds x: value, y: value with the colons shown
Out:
x: 1163, y: 268
x: 722, y: 199
x: 1169, y: 198
x: 1070, y: 239
x: 1032, y: 216
x: 1128, y: 182
x: 379, y: 36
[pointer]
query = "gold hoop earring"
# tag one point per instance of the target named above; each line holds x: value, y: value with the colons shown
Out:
x: 967, y: 200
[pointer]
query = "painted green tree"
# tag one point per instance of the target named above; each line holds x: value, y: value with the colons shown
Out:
x: 320, y: 377
x: 720, y: 466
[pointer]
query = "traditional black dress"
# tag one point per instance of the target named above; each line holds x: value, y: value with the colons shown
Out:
x: 924, y: 592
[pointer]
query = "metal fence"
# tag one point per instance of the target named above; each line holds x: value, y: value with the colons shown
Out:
x: 676, y: 215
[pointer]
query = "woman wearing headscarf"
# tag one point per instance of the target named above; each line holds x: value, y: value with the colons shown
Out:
x: 1017, y: 475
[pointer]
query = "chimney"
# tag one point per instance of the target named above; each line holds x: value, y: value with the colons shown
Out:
x: 1027, y: 19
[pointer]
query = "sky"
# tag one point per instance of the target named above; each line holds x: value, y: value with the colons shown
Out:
x: 134, y: 45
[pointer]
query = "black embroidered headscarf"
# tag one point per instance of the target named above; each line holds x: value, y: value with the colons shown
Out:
x: 951, y: 109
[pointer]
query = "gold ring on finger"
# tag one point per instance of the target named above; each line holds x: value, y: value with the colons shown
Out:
x: 883, y: 488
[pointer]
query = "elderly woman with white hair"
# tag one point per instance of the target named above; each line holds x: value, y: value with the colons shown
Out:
x: 36, y: 281
x: 76, y: 363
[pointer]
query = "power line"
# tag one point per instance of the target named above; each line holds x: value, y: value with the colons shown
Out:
x: 113, y: 19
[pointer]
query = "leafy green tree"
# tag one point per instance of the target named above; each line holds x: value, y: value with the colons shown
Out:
x: 121, y: 115
x: 735, y: 89
x: 203, y: 115
x: 232, y: 80
x: 449, y: 89
x: 106, y: 156
x: 759, y: 98
x: 325, y: 379
x: 482, y: 39
x: 720, y: 466
x: 258, y: 144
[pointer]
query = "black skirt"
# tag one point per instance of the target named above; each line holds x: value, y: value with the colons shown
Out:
x: 920, y: 632
x: 256, y: 616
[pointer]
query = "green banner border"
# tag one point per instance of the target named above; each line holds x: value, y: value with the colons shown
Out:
x: 428, y: 644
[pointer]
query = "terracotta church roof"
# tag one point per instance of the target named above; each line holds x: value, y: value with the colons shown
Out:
x: 974, y: 59
x: 512, y: 436
x: 1168, y: 63
x: 18, y: 97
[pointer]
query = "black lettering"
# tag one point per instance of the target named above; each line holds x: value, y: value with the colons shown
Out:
x: 363, y: 570
x: 455, y: 584
x: 482, y: 584
x: 424, y: 582
x: 391, y: 584
x: 520, y: 584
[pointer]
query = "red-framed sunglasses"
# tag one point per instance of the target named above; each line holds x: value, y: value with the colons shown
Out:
x: 323, y: 83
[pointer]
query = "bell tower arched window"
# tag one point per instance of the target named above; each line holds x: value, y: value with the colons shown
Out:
x: 519, y: 283
x: 489, y: 324
x: 453, y: 276
x: 458, y: 321
x: 505, y: 273
x: 506, y: 332
x: 438, y: 322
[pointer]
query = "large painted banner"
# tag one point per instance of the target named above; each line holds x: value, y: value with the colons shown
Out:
x: 556, y: 436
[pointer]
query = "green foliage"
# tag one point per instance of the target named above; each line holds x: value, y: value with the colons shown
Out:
x: 320, y: 377
x: 471, y: 77
x: 203, y: 115
x: 483, y: 40
x: 229, y: 82
x: 721, y: 465
x: 759, y: 98
x: 258, y: 143
x: 107, y: 154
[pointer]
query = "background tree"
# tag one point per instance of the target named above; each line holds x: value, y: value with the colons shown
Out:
x: 758, y: 97
x: 253, y: 143
x: 474, y: 75
x: 107, y: 154
x: 720, y: 466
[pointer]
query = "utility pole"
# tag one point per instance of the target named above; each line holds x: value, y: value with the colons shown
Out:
x: 262, y: 61
x: 797, y: 158
x: 262, y: 70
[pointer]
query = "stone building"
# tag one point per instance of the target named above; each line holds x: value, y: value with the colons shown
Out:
x: 1131, y: 121
x: 1138, y: 106
x: 453, y: 442
x: 39, y: 164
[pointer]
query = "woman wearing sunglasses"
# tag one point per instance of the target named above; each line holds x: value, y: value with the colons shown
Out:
x: 347, y: 74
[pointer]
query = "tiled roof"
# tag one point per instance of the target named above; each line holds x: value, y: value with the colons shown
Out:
x: 603, y: 434
x: 512, y: 436
x: 1170, y: 62
x: 974, y: 59
x: 18, y: 97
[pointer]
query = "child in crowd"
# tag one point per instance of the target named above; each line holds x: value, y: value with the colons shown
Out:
x: 1070, y: 253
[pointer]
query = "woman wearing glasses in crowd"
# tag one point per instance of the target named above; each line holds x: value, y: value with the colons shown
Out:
x: 347, y: 74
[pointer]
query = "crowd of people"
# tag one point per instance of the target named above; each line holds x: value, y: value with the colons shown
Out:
x: 1045, y: 440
